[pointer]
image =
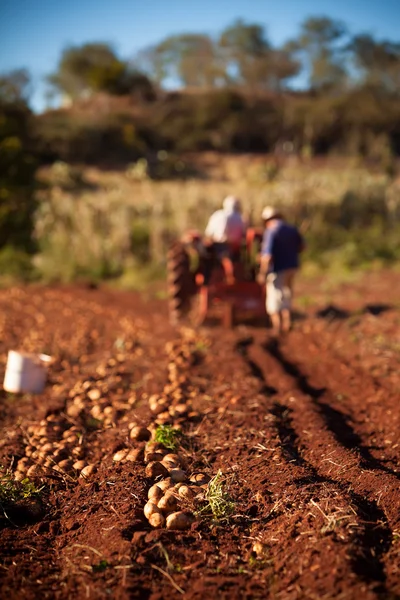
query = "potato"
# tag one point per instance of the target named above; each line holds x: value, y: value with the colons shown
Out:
x: 157, y: 520
x: 156, y: 469
x: 180, y: 520
x: 96, y: 411
x: 65, y: 465
x: 77, y: 452
x: 23, y: 464
x: 163, y: 417
x: 155, y: 493
x: 71, y: 439
x: 179, y: 410
x: 194, y: 414
x: 150, y: 508
x: 171, y: 461
x: 87, y: 471
x: 120, y: 455
x: 168, y: 503
x: 34, y: 471
x: 94, y: 394
x: 47, y: 448
x: 155, y: 447
x: 200, y: 478
x: 186, y: 492
x: 141, y: 434
x: 157, y: 405
x: 152, y: 456
x: 165, y: 484
x: 135, y: 455
x: 74, y: 411
x: 178, y: 475
x: 79, y: 465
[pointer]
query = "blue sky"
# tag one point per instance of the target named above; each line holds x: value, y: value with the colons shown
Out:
x: 33, y: 33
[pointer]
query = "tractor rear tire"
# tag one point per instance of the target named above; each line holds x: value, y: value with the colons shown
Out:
x: 181, y: 282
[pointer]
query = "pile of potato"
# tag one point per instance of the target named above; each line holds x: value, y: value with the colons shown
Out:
x: 174, y: 491
x: 56, y: 444
x: 53, y: 446
x: 91, y: 396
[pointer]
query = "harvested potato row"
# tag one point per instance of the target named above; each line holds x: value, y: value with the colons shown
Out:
x: 175, y: 487
x: 164, y: 502
x: 54, y: 446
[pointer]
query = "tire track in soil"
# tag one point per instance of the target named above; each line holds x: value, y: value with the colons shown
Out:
x: 336, y: 421
x: 374, y: 539
x: 376, y: 417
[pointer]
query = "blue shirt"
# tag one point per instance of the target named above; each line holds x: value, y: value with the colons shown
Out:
x: 283, y: 242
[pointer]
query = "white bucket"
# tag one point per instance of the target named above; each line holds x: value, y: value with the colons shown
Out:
x: 26, y: 373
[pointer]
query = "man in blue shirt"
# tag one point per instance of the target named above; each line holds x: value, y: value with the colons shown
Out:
x: 281, y: 247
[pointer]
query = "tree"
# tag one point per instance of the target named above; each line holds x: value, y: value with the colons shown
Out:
x: 251, y: 61
x: 378, y: 63
x: 317, y: 47
x: 17, y: 164
x: 245, y: 52
x: 281, y: 67
x: 91, y: 68
x: 190, y: 59
x: 15, y: 87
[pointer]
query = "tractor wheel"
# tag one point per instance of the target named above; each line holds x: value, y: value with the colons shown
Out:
x: 181, y: 282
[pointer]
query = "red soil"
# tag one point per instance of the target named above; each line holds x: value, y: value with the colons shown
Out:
x: 305, y: 432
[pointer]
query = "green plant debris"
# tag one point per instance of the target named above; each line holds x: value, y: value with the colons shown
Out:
x: 168, y: 436
x: 12, y: 491
x: 201, y: 346
x: 100, y: 567
x: 219, y: 503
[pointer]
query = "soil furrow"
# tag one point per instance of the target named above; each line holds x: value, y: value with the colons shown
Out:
x: 374, y: 536
x: 371, y: 408
x: 304, y: 439
x: 336, y: 421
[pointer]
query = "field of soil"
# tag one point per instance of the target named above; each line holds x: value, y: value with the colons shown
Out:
x: 300, y: 438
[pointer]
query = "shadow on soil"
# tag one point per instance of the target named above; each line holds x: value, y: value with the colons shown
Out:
x: 242, y: 348
x: 335, y: 313
x: 19, y: 514
x: 337, y: 422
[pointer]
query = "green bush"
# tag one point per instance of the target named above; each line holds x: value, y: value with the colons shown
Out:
x: 17, y: 177
x: 15, y: 264
x: 140, y: 240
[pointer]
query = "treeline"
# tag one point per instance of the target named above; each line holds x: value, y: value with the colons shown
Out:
x: 324, y: 57
x: 326, y: 91
x: 237, y: 92
x: 359, y: 123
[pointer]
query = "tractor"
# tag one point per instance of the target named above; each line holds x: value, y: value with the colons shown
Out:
x: 197, y: 286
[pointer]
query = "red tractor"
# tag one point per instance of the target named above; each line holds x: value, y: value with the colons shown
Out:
x: 197, y: 285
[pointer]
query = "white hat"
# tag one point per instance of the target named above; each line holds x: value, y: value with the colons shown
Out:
x: 231, y: 203
x: 269, y: 213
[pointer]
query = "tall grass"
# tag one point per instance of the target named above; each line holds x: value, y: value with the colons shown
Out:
x: 108, y: 224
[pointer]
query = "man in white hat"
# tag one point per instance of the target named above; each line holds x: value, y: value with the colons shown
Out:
x: 281, y: 247
x: 226, y: 230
